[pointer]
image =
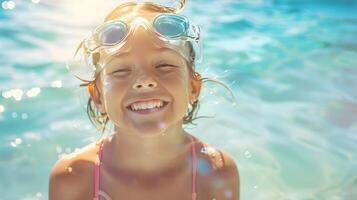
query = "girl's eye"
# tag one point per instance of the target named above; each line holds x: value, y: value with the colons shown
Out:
x: 120, y: 71
x: 165, y: 66
x: 126, y: 70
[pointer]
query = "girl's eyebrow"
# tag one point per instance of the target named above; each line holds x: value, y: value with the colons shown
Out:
x: 127, y: 53
x: 122, y: 54
x: 117, y: 55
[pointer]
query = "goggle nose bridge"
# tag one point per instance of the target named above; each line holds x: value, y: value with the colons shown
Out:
x: 137, y: 23
x: 140, y: 21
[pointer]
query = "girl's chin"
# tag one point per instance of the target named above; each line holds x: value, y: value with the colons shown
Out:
x: 149, y: 126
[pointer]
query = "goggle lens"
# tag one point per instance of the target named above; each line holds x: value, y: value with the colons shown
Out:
x: 112, y: 34
x: 171, y: 26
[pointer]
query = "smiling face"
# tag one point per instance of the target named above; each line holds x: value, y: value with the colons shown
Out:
x: 144, y: 70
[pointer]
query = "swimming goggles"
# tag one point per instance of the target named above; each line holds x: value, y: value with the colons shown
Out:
x: 171, y: 30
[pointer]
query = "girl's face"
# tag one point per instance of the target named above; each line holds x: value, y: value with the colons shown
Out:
x: 144, y: 70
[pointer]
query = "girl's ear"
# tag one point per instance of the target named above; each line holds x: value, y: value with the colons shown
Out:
x: 196, y: 84
x: 96, y: 97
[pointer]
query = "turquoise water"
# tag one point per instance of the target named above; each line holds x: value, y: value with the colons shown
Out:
x: 291, y: 65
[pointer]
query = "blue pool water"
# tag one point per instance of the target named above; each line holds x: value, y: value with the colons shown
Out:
x: 291, y: 65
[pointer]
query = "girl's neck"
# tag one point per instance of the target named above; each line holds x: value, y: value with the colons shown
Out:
x: 145, y: 156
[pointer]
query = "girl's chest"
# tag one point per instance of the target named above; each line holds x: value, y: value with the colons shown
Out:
x: 179, y: 188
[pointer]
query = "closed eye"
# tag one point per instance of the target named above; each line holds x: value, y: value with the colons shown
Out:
x: 158, y: 66
x: 165, y: 65
x: 120, y: 71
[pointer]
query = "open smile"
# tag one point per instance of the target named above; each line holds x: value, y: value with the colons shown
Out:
x: 148, y: 110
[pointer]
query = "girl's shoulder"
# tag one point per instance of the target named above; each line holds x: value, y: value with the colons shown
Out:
x: 219, y: 169
x: 78, y: 161
x: 73, y: 173
x: 217, y: 158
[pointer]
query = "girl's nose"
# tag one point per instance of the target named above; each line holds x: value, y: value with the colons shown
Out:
x: 144, y: 82
x: 147, y: 83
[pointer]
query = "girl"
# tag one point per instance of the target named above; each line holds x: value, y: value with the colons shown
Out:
x: 139, y: 69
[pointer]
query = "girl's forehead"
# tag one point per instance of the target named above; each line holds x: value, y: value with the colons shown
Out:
x: 140, y: 49
x: 152, y: 55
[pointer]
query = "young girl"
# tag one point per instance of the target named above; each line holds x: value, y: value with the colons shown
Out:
x: 139, y: 69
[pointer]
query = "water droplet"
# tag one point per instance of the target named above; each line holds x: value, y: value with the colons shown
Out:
x: 4, y: 5
x: 68, y: 150
x: 2, y: 108
x: 247, y: 154
x: 12, y: 144
x: 33, y: 92
x: 14, y: 114
x: 18, y: 141
x: 228, y: 193
x: 24, y: 116
x: 56, y: 83
x: 58, y: 149
x: 162, y: 125
x: 10, y: 5
x: 203, y: 150
x: 209, y: 150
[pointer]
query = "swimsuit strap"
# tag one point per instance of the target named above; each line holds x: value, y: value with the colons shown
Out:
x: 96, y: 172
x: 193, y: 151
x: 98, y: 163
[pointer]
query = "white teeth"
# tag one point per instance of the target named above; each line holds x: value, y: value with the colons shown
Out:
x: 146, y: 105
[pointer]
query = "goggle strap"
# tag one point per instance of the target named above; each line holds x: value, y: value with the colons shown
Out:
x: 84, y: 84
x: 79, y: 46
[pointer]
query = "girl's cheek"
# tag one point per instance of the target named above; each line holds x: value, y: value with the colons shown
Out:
x: 114, y: 84
x: 179, y: 77
x: 173, y: 75
x: 107, y: 86
x: 174, y: 81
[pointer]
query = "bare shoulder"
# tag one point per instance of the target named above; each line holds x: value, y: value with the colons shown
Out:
x: 223, y: 176
x: 71, y: 176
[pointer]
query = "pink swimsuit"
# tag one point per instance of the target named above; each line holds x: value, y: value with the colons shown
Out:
x: 98, y: 160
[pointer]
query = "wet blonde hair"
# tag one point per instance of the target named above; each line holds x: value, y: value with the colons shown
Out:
x: 102, y: 119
